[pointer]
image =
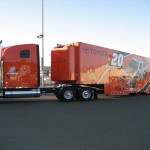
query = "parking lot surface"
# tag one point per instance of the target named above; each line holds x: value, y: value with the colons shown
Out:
x: 109, y: 123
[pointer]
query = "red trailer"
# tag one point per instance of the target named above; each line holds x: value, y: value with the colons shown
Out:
x: 83, y: 70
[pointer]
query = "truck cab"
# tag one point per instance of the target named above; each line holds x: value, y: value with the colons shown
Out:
x: 19, y: 70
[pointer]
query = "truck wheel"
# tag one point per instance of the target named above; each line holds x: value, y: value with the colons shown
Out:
x: 67, y: 94
x: 86, y: 94
x: 57, y: 93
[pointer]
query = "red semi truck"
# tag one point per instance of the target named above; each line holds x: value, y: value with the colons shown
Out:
x: 79, y: 70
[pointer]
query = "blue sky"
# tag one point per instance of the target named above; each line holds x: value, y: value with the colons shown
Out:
x: 118, y: 24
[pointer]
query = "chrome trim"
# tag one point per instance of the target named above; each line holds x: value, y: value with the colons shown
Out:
x: 22, y: 93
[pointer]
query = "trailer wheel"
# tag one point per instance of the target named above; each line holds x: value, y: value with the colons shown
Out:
x: 67, y: 94
x: 58, y: 93
x: 86, y: 94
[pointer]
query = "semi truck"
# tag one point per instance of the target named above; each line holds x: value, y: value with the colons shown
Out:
x: 79, y: 71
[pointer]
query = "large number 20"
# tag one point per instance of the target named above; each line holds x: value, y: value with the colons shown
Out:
x: 117, y: 59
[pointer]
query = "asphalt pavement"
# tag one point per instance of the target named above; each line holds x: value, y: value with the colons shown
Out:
x: 109, y: 123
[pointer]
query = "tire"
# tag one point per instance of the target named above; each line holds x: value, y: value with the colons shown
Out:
x: 58, y: 93
x: 85, y: 94
x: 67, y: 94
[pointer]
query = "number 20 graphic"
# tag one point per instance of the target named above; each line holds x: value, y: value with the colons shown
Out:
x: 117, y: 60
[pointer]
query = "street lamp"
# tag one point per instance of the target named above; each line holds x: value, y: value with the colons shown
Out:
x: 41, y: 36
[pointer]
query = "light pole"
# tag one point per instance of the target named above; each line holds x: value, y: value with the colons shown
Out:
x: 42, y: 43
x: 41, y: 36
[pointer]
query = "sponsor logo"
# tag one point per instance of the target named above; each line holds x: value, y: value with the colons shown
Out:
x: 88, y: 50
x: 12, y: 70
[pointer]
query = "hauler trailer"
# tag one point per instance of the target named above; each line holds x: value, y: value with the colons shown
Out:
x: 83, y: 70
x: 79, y: 71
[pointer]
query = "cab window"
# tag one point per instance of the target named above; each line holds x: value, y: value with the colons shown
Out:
x: 25, y: 54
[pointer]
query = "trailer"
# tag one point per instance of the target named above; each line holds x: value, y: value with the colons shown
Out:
x: 79, y: 70
x: 83, y: 70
